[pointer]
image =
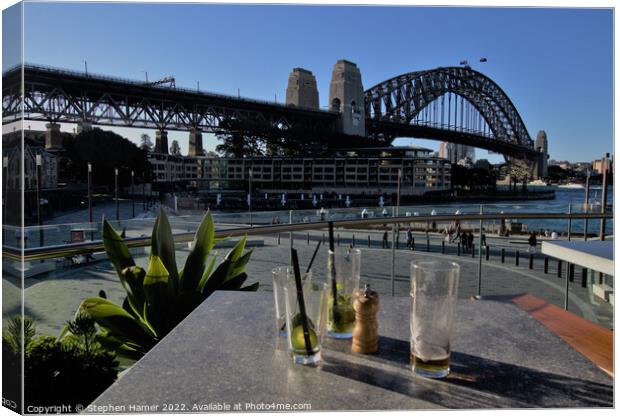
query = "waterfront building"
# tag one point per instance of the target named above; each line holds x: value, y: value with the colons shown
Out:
x: 598, y: 165
x: 49, y: 167
x: 350, y: 171
x: 174, y: 168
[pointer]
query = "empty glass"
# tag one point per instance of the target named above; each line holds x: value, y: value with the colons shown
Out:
x: 434, y: 288
x: 344, y: 267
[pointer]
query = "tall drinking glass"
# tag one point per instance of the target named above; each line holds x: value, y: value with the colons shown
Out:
x: 281, y: 276
x: 343, y: 268
x: 305, y: 336
x: 434, y: 288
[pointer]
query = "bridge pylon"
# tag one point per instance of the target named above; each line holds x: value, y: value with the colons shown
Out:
x: 53, y: 139
x: 346, y: 95
x: 541, y: 146
x: 195, y: 143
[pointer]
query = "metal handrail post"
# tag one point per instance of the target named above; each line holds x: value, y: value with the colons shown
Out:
x: 290, y: 236
x: 570, y: 223
x: 480, y: 257
x: 393, y: 266
x: 566, y: 292
x: 394, y: 225
x: 586, y: 207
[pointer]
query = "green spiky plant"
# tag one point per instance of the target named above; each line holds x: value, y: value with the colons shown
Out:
x: 161, y: 296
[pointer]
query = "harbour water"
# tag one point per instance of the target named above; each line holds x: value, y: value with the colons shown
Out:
x: 564, y: 197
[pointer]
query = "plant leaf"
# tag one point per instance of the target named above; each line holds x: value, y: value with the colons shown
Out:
x: 162, y: 246
x: 132, y: 279
x: 125, y: 350
x: 233, y: 283
x: 216, y: 278
x: 206, y: 274
x: 237, y: 250
x: 184, y: 304
x: 115, y: 247
x: 252, y: 288
x: 240, y: 264
x: 115, y: 319
x: 63, y: 332
x: 158, y: 295
x: 195, y: 263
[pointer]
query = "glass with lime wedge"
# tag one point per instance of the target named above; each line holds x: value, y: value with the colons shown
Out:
x: 343, y: 267
x: 305, y: 341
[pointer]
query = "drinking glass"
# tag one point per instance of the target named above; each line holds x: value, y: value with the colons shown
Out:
x: 434, y: 287
x: 305, y: 336
x: 281, y: 276
x: 343, y: 268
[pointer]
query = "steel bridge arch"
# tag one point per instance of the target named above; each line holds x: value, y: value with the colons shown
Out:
x: 402, y: 98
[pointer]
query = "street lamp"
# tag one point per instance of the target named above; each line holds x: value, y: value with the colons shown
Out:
x: 116, y: 192
x: 133, y: 205
x: 250, y: 197
x: 39, y: 163
x: 5, y: 168
x: 90, y: 198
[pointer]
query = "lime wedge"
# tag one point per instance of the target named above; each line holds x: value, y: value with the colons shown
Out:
x: 297, y: 338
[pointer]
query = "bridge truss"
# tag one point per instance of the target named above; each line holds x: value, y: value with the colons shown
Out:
x: 57, y: 96
x: 453, y: 104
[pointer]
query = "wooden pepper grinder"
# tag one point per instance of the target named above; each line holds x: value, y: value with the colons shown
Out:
x: 366, y: 331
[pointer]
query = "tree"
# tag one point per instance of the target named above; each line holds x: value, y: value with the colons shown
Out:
x: 473, y: 178
x: 145, y: 142
x: 238, y: 140
x: 556, y: 173
x: 242, y: 138
x: 106, y: 151
x: 518, y: 171
x: 175, y: 149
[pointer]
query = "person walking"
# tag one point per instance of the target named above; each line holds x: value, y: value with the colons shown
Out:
x: 532, y: 242
x: 457, y: 233
x: 384, y: 242
x: 409, y: 238
x: 464, y: 241
x: 470, y: 240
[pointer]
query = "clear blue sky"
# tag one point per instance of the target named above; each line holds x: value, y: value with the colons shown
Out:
x: 555, y: 64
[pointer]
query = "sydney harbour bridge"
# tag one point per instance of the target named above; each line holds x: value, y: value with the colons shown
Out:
x: 451, y: 104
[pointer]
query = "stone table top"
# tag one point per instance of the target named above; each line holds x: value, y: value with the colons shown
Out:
x: 227, y: 356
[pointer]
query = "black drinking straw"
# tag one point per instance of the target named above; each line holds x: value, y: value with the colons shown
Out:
x: 336, y: 315
x: 300, y: 300
x: 316, y: 250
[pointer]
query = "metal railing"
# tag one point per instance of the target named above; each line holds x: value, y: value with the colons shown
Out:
x: 66, y: 250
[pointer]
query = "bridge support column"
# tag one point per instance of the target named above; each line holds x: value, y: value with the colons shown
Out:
x: 84, y: 125
x: 161, y: 141
x: 195, y: 143
x: 53, y: 139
